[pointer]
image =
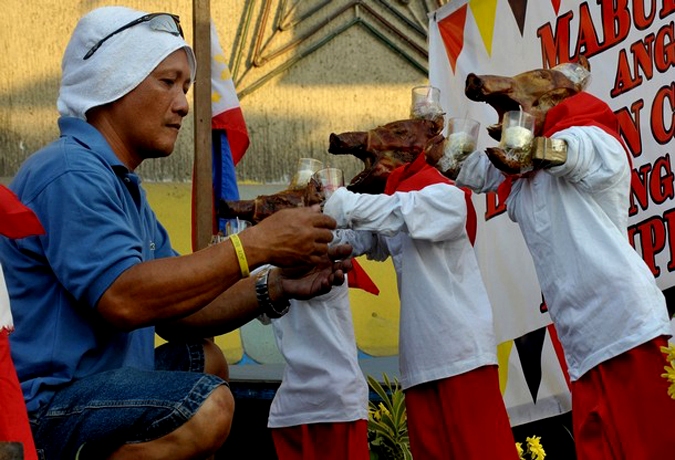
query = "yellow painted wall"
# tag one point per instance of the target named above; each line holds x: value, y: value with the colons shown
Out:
x: 375, y: 317
x: 337, y: 75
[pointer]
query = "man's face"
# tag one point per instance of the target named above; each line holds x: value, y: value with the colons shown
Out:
x: 147, y: 119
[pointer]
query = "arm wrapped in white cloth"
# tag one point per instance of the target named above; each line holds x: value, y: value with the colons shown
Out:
x: 435, y: 213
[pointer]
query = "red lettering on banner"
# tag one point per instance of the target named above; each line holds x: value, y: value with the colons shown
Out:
x: 661, y: 185
x: 624, y: 80
x: 663, y: 101
x: 640, y: 18
x: 616, y: 24
x: 616, y: 21
x: 629, y: 129
x: 652, y: 182
x: 652, y: 236
x: 587, y: 40
x: 653, y: 50
x: 492, y: 207
x: 664, y: 52
x: 639, y: 190
x: 555, y: 48
x: 655, y: 182
x: 669, y: 218
x: 667, y: 8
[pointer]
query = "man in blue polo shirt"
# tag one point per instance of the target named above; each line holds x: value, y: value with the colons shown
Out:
x: 89, y: 295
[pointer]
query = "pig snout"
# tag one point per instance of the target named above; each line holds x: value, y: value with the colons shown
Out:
x: 347, y: 143
x: 480, y: 87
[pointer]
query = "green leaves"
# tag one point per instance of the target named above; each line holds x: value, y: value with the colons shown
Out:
x: 387, y: 422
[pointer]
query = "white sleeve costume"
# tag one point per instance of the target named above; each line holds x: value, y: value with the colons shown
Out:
x: 601, y: 295
x: 446, y: 324
x: 6, y: 321
x: 322, y: 380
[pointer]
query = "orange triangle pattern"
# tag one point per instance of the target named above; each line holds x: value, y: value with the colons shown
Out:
x: 451, y: 29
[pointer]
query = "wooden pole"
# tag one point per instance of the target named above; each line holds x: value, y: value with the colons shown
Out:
x: 203, y: 186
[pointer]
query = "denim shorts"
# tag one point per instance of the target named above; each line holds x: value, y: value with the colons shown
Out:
x: 94, y: 416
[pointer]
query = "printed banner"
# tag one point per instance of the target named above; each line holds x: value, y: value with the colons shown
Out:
x: 630, y: 46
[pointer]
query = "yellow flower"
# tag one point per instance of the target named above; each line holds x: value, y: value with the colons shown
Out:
x: 519, y: 448
x: 670, y: 376
x: 670, y: 352
x: 535, y: 448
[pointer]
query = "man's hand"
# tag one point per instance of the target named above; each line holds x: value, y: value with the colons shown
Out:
x: 291, y: 237
x: 305, y: 283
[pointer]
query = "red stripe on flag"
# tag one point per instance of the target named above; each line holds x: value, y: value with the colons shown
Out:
x: 233, y: 123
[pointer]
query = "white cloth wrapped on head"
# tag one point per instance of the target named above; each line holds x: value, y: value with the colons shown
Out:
x: 576, y: 73
x: 120, y: 64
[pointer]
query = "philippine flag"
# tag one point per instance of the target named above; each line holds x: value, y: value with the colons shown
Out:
x: 228, y: 130
x: 230, y: 136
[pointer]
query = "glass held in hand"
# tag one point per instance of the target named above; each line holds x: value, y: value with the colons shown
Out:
x: 330, y: 179
x: 304, y: 171
x: 461, y: 141
x: 232, y: 226
x: 236, y: 225
x: 517, y: 131
x: 517, y: 139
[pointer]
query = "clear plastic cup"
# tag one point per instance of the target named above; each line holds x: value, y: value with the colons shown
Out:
x: 304, y: 171
x: 461, y: 141
x: 426, y: 102
x: 330, y: 179
x: 236, y: 225
x: 518, y: 138
x: 517, y: 130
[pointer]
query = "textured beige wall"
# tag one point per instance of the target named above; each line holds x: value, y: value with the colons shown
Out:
x: 354, y: 82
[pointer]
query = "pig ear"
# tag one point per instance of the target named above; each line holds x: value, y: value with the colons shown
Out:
x: 584, y: 62
x: 553, y: 98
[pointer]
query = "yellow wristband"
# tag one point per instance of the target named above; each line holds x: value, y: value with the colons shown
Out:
x: 241, y: 255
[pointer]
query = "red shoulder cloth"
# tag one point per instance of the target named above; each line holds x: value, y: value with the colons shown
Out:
x: 16, y: 219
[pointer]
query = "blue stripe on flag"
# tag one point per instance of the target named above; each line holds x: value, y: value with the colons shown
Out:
x: 224, y: 177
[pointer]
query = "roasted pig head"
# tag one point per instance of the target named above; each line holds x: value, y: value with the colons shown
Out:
x: 384, y: 149
x: 265, y: 205
x: 534, y: 92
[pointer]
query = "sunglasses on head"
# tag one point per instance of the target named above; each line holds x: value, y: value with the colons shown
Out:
x: 164, y: 22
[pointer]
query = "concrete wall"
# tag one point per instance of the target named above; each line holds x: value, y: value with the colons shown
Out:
x: 322, y: 67
x: 296, y: 86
